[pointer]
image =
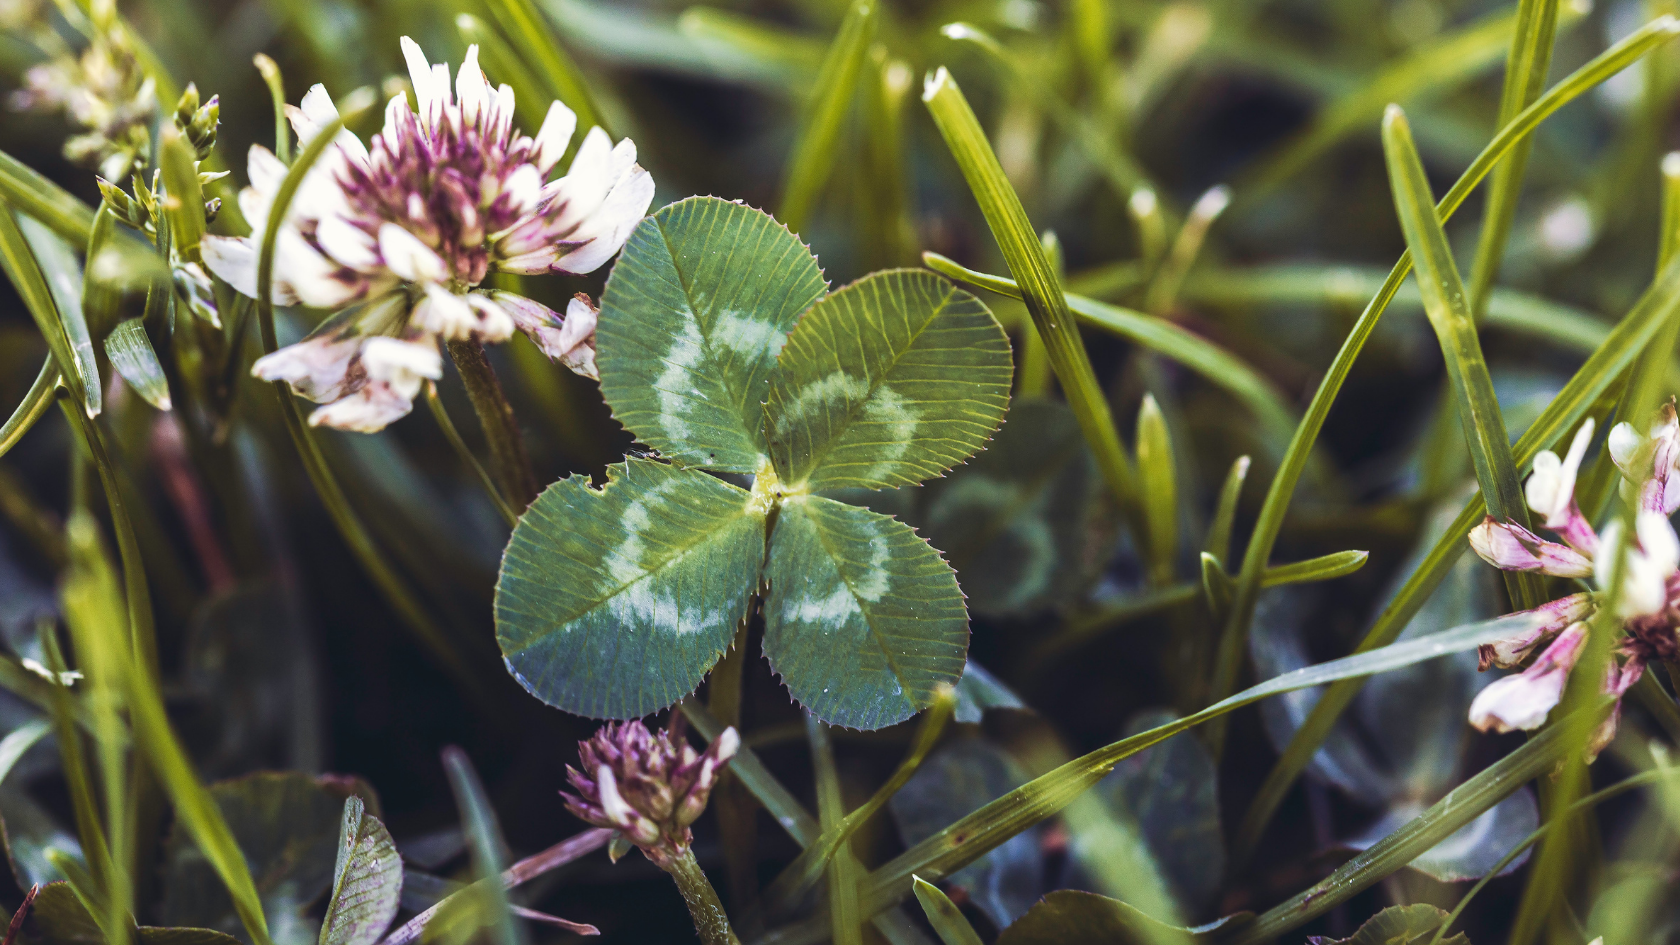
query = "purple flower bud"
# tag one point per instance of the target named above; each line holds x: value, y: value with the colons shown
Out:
x: 648, y: 787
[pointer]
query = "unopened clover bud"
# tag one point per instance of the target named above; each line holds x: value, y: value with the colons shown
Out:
x: 186, y: 105
x: 116, y: 199
x: 648, y: 787
x: 212, y: 207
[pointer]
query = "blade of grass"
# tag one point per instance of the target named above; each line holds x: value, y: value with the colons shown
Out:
x: 1310, y: 283
x: 484, y: 839
x: 1540, y: 832
x: 270, y: 72
x: 845, y: 921
x: 944, y: 915
x: 1464, y: 804
x: 1123, y: 174
x: 384, y: 575
x: 1218, y: 366
x: 24, y: 188
x: 1158, y: 488
x: 1270, y: 521
x: 1567, y: 409
x: 1450, y: 314
x: 182, y: 201
x: 982, y: 831
x: 91, y: 596
x: 536, y: 44
x: 56, y: 263
x: 800, y: 876
x: 1438, y: 64
x: 1040, y: 289
x: 1163, y: 290
x: 888, y: 207
x: 1218, y: 541
x: 1525, y: 78
x: 84, y: 808
x: 35, y: 404
x: 441, y: 415
x: 814, y: 152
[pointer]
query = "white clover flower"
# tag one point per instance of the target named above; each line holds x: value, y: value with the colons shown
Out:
x: 1648, y: 599
x: 447, y: 193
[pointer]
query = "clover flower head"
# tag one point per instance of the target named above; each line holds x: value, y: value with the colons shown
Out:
x: 649, y: 787
x: 445, y: 194
x: 1647, y: 600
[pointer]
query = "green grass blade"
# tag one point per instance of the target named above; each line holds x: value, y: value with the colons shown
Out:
x: 1158, y: 488
x: 844, y: 917
x: 1525, y: 78
x: 484, y: 839
x: 1325, y: 568
x: 944, y: 915
x: 183, y: 198
x: 24, y: 188
x: 1218, y: 541
x: 1219, y: 366
x: 78, y: 779
x: 1448, y: 308
x: 54, y: 297
x: 1314, y: 283
x: 35, y: 404
x: 802, y: 874
x: 1464, y: 804
x: 270, y: 72
x: 973, y: 836
x: 1270, y: 521
x: 813, y: 154
x: 1439, y: 64
x: 1123, y: 174
x: 1568, y: 408
x: 536, y: 45
x: 1040, y: 289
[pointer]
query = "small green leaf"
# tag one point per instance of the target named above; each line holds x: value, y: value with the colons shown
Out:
x: 1323, y: 568
x: 1068, y: 915
x: 57, y: 917
x: 944, y: 915
x: 613, y: 603
x: 131, y: 354
x: 1218, y: 542
x: 286, y: 826
x: 863, y: 620
x: 24, y: 188
x: 693, y: 316
x: 889, y: 381
x: 1396, y: 925
x: 367, y: 880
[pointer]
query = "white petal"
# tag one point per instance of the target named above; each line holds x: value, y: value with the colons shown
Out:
x: 1625, y: 442
x: 264, y: 170
x: 420, y: 76
x: 611, y: 224
x: 316, y: 368
x: 1657, y: 540
x: 471, y: 87
x: 315, y: 112
x: 524, y: 188
x: 494, y: 322
x: 556, y: 132
x: 234, y: 260
x: 318, y: 281
x: 502, y: 112
x: 446, y: 314
x: 409, y: 258
x: 1517, y: 702
x: 400, y: 363
x: 586, y: 182
x: 368, y: 410
x: 1544, y: 483
x: 347, y: 244
x: 531, y: 263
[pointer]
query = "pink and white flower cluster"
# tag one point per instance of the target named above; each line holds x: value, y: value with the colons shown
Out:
x: 409, y: 226
x: 1648, y: 602
x: 648, y: 787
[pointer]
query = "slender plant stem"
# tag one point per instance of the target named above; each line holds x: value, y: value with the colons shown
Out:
x: 710, y: 921
x: 508, y: 462
x: 441, y: 415
x: 733, y: 804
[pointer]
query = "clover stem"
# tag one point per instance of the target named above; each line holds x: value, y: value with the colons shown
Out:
x: 703, y: 905
x: 508, y: 462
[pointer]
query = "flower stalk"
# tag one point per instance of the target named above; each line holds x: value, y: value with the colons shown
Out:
x: 509, y: 464
x: 704, y: 907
